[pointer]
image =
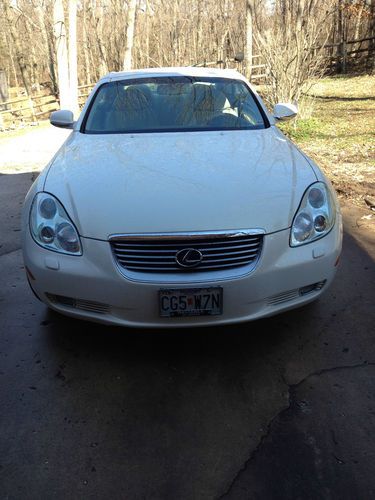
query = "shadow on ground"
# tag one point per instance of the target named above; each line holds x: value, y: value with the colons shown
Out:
x: 278, y: 408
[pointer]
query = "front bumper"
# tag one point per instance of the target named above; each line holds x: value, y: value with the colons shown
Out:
x: 102, y: 293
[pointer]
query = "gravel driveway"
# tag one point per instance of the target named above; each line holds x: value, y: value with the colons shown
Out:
x: 30, y: 151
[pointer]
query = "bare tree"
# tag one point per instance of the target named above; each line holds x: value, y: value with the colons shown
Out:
x: 61, y: 54
x: 73, y: 73
x: 341, y: 33
x: 116, y: 34
x: 85, y: 45
x: 102, y: 49
x: 47, y: 45
x: 294, y: 51
x: 14, y: 40
x: 371, y: 61
x: 248, y: 53
x: 130, y: 34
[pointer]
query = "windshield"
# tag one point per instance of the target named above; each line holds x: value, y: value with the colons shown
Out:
x: 170, y: 104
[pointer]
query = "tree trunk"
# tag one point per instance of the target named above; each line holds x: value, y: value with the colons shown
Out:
x: 100, y: 38
x: 47, y: 37
x: 371, y: 45
x: 61, y: 54
x: 248, y: 55
x: 10, y: 50
x: 33, y: 61
x: 358, y: 21
x: 130, y: 34
x: 15, y: 42
x: 147, y: 15
x: 51, y: 65
x: 341, y: 59
x: 199, y: 32
x: 4, y: 89
x: 86, y: 47
x: 73, y: 76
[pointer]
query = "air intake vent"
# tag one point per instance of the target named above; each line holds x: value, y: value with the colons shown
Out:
x: 282, y: 297
x: 294, y: 294
x: 84, y: 305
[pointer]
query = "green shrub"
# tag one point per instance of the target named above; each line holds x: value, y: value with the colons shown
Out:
x: 303, y: 129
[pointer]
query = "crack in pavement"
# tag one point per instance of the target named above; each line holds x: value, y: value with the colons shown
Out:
x: 10, y: 251
x: 292, y: 388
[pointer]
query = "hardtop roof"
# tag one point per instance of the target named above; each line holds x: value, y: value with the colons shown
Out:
x: 174, y: 71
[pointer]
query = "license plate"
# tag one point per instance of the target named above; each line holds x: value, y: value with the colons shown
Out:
x: 191, y: 302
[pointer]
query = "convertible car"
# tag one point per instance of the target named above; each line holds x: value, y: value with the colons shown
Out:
x: 176, y: 201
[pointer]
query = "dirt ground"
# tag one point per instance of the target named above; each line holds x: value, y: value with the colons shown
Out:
x: 340, y: 134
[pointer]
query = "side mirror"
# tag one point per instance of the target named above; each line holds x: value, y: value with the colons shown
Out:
x: 62, y: 118
x: 239, y: 57
x: 284, y: 111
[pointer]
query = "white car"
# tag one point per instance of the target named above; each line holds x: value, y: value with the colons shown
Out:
x: 176, y: 201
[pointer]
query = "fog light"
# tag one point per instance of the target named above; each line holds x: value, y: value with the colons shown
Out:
x: 312, y: 288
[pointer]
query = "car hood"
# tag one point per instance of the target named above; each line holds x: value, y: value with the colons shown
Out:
x: 181, y: 181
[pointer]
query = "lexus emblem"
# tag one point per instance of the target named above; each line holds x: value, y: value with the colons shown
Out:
x: 189, y: 257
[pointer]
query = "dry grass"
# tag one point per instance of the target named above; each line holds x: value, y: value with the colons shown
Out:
x: 340, y: 135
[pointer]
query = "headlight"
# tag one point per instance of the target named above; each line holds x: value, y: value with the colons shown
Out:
x: 315, y: 216
x: 51, y: 227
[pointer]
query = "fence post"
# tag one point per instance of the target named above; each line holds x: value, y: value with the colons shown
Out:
x: 344, y: 55
x: 4, y: 92
x: 31, y: 104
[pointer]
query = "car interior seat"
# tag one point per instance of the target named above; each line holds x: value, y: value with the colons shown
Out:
x: 132, y: 110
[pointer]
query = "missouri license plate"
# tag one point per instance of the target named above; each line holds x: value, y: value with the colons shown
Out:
x: 191, y: 302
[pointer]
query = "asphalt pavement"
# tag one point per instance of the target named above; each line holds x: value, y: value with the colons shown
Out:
x: 277, y: 408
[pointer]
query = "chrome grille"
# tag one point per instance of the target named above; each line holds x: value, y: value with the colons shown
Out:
x: 157, y: 253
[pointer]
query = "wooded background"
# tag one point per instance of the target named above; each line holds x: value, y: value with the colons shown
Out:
x: 61, y: 44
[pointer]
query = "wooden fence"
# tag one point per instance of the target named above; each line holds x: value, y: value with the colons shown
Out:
x: 38, y: 107
x: 338, y: 54
x: 34, y: 108
x: 259, y: 71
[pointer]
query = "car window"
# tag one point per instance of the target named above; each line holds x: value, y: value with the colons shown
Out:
x: 164, y: 104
